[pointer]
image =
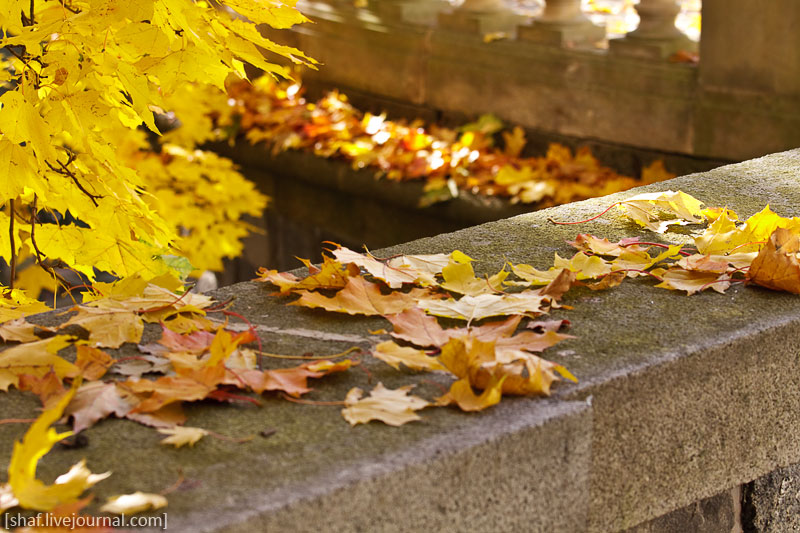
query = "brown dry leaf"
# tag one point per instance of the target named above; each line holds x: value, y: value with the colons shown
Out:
x: 93, y: 362
x: 293, y: 381
x: 393, y: 276
x: 464, y: 397
x: 95, y: 401
x: 48, y: 388
x: 391, y: 406
x: 182, y: 435
x: 704, y: 263
x: 608, y: 281
x: 168, y: 416
x: 487, y: 305
x: 589, y: 243
x: 393, y: 354
x: 776, y: 266
x: 359, y: 297
x: 332, y: 274
x: 560, y: 285
x: 20, y: 330
x: 418, y: 328
x: 693, y: 281
x: 108, y: 328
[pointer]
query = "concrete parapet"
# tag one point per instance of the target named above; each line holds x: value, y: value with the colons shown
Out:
x: 681, y: 400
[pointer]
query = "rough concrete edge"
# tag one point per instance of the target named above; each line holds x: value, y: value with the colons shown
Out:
x: 512, y: 418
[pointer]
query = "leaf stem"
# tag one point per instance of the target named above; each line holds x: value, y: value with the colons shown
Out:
x: 588, y: 219
x: 309, y: 402
x: 311, y: 357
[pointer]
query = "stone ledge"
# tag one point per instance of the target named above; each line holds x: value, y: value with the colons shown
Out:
x: 680, y: 399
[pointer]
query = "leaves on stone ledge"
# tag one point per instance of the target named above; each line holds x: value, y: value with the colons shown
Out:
x: 394, y: 407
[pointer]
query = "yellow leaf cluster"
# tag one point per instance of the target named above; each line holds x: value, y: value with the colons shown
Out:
x: 82, y: 77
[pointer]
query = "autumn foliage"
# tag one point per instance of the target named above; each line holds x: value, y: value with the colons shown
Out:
x: 84, y: 78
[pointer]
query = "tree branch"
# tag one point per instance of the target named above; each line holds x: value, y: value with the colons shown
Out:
x: 13, y: 260
x: 64, y: 171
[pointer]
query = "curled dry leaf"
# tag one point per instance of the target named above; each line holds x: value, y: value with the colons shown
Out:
x: 464, y: 397
x: 133, y: 503
x: 394, y: 407
x: 330, y: 275
x: 359, y: 297
x: 777, y: 266
x: 393, y: 276
x: 393, y: 354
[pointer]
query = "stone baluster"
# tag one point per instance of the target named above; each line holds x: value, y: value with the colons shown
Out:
x: 483, y: 17
x: 563, y: 23
x: 656, y: 37
x: 422, y: 12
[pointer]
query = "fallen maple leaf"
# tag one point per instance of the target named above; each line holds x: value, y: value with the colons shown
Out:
x: 391, y: 406
x: 418, y: 328
x: 584, y: 266
x: 30, y: 492
x: 359, y: 297
x: 37, y: 358
x: 48, y: 387
x: 109, y: 329
x: 20, y: 330
x: 95, y: 401
x: 330, y: 275
x: 693, y: 281
x: 486, y: 305
x: 648, y: 209
x: 182, y: 435
x: 133, y: 503
x: 92, y: 362
x: 393, y: 354
x: 460, y: 278
x: 776, y: 266
x: 393, y: 276
x: 464, y: 397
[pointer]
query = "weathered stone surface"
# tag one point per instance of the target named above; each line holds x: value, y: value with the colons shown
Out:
x: 680, y: 399
x: 771, y: 503
x: 717, y: 514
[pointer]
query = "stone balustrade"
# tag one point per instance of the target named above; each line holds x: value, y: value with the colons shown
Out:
x: 431, y: 59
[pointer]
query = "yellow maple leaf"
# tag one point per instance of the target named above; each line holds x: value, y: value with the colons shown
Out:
x: 391, y: 406
x: 32, y: 493
x: 460, y: 278
x: 182, y: 435
x: 648, y: 209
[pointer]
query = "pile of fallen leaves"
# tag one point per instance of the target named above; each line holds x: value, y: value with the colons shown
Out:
x: 448, y: 160
x: 493, y: 352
